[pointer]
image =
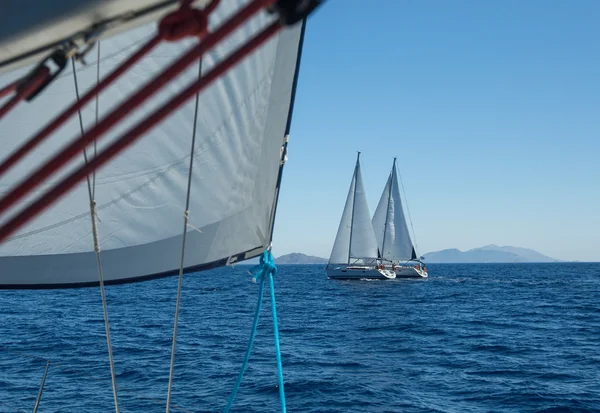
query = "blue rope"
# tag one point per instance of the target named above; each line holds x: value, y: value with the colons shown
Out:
x: 277, y: 351
x: 265, y: 268
x: 238, y: 382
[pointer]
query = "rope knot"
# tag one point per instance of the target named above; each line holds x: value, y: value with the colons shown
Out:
x: 186, y: 22
x: 265, y: 267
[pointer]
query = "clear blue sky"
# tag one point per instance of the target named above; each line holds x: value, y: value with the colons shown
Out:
x: 492, y: 107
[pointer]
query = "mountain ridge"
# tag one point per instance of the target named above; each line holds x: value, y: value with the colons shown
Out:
x: 290, y: 259
x: 488, y: 254
x: 299, y: 258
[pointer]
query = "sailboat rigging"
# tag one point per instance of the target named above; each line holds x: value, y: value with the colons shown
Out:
x: 389, y: 223
x: 53, y: 225
x: 355, y: 251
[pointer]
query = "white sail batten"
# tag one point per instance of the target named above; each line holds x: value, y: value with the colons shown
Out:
x: 355, y: 238
x: 140, y: 194
x: 389, y: 223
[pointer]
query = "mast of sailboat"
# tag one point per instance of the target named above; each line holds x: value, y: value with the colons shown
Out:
x: 387, y: 212
x: 353, y: 204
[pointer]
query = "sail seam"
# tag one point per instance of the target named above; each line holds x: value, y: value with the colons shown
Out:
x: 158, y: 172
x: 165, y: 168
x: 137, y: 131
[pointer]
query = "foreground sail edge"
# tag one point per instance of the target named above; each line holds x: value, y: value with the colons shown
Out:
x: 14, y: 269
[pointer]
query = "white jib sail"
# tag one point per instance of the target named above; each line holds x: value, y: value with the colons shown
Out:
x: 355, y: 238
x: 389, y: 223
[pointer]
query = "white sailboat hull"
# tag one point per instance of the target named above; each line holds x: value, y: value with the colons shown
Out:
x: 410, y: 272
x: 355, y: 272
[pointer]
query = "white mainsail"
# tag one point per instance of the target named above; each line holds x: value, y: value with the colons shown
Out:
x: 141, y: 194
x: 355, y: 240
x: 389, y: 223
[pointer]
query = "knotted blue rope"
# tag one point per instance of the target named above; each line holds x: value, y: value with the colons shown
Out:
x: 276, y: 335
x: 265, y: 268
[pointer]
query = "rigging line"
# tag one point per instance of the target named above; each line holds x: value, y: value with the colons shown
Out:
x: 238, y: 381
x: 138, y: 98
x: 67, y: 113
x: 97, y: 115
x: 183, y: 238
x: 276, y: 337
x: 97, y: 250
x: 87, y: 177
x: 408, y: 211
x: 108, y: 56
x: 265, y: 268
x: 86, y: 374
x: 158, y: 173
x: 136, y: 132
x: 41, y: 391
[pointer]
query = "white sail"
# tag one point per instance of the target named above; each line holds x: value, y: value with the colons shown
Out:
x: 341, y: 246
x: 381, y: 213
x: 389, y: 223
x: 355, y: 238
x: 363, y: 243
x: 141, y: 193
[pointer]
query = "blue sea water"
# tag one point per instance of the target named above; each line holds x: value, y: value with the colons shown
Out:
x: 471, y: 338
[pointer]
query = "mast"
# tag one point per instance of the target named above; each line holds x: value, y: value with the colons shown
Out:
x: 353, y: 203
x: 387, y: 212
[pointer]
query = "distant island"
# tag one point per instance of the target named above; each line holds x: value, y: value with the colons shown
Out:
x: 298, y: 258
x: 488, y: 254
x: 290, y: 259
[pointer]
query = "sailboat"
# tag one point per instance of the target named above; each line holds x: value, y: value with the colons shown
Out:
x: 136, y: 150
x: 389, y: 223
x: 354, y: 254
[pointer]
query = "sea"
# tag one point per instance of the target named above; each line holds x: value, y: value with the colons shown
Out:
x: 470, y: 338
